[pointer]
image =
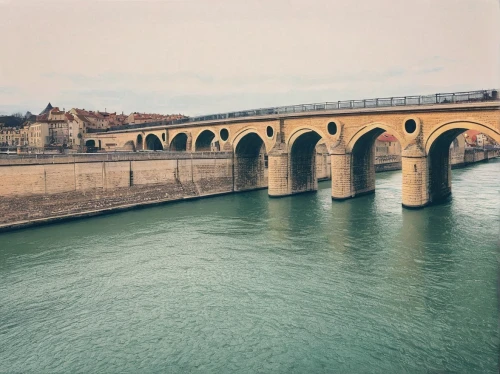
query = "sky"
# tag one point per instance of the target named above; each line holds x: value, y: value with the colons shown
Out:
x: 209, y: 56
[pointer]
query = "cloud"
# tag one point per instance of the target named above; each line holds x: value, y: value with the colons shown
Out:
x: 197, y: 56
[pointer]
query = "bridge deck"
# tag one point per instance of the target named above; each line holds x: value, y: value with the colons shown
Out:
x: 487, y: 105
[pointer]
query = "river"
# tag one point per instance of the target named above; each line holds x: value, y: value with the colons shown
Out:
x: 243, y: 283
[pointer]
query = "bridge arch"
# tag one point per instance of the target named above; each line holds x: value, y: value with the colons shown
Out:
x: 460, y: 126
x: 153, y: 143
x: 437, y: 146
x: 129, y: 146
x: 204, y: 140
x: 302, y: 152
x: 361, y: 151
x: 249, y: 161
x: 90, y: 143
x: 294, y: 135
x: 374, y: 128
x: 139, y: 142
x: 179, y: 142
x: 238, y: 136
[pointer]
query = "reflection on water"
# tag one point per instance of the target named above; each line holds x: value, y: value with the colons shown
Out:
x: 247, y: 283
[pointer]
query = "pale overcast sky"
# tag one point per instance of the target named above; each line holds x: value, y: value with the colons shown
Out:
x: 209, y: 56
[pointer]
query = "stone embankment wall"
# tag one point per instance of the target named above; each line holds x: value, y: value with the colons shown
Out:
x: 387, y: 163
x: 42, y: 188
x: 209, y: 173
x: 34, y: 188
x: 472, y: 155
x: 461, y: 157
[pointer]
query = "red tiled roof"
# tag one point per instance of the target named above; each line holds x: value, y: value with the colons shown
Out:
x: 471, y: 136
x: 386, y: 137
x: 472, y: 133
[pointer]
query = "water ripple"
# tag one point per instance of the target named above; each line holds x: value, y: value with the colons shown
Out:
x: 243, y: 283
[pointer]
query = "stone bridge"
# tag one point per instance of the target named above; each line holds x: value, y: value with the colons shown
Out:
x: 289, y: 139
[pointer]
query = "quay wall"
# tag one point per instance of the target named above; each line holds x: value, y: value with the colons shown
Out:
x: 471, y: 156
x: 460, y: 158
x: 53, y: 175
x: 38, y: 189
x: 44, y: 188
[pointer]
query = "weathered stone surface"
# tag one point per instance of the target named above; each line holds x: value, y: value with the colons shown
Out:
x: 22, y: 208
x: 61, y: 185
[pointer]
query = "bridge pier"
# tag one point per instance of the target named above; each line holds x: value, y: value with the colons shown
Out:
x: 341, y: 176
x: 353, y: 175
x: 249, y: 163
x: 278, y: 184
x: 292, y: 167
x: 414, y: 173
x: 290, y: 177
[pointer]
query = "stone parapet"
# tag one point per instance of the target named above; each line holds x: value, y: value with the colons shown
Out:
x: 41, y: 159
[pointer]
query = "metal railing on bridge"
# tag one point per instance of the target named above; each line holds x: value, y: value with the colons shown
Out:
x: 440, y: 98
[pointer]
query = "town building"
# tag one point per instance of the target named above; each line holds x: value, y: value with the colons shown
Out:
x: 387, y: 144
x: 474, y: 138
x: 38, y: 134
x: 13, y: 136
x: 136, y: 118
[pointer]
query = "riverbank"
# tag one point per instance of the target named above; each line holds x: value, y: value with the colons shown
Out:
x: 460, y: 159
x: 110, y: 209
x: 40, y: 191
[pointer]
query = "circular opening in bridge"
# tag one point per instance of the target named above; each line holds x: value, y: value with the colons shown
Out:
x: 332, y: 128
x: 139, y: 139
x: 269, y: 132
x: 163, y: 136
x: 410, y: 126
x: 224, y: 134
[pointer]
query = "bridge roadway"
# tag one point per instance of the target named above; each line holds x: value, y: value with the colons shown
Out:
x: 289, y: 140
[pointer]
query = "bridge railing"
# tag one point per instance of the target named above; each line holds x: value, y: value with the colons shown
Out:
x: 440, y: 98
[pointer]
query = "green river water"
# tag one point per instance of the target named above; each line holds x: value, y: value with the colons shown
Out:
x: 243, y: 283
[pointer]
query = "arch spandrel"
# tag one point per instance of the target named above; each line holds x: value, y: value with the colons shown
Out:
x: 158, y: 134
x: 444, y: 127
